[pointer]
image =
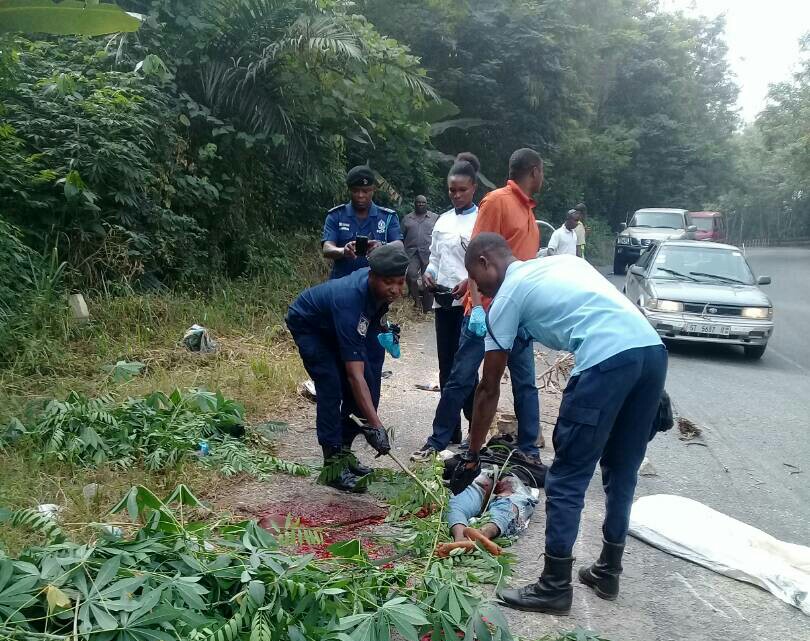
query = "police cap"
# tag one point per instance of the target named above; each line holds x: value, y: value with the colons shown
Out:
x: 360, y: 176
x: 389, y: 260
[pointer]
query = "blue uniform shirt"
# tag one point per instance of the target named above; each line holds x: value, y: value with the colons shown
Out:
x: 565, y: 304
x: 344, y: 312
x: 342, y: 226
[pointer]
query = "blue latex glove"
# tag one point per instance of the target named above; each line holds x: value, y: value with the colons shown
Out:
x: 478, y: 321
x: 390, y: 342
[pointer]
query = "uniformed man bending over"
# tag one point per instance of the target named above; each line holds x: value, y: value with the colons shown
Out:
x: 361, y: 218
x: 336, y: 326
x: 607, y: 412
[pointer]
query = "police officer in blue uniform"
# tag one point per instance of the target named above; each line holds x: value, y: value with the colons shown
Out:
x: 340, y: 331
x: 360, y: 218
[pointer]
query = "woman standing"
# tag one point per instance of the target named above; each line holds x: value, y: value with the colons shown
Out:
x: 446, y: 274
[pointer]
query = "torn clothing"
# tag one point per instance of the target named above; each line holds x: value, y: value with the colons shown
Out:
x: 510, y: 513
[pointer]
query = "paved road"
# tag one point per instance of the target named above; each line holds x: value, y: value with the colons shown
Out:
x: 755, y: 418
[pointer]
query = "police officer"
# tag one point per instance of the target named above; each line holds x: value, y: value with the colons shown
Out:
x: 360, y: 218
x: 339, y: 329
x: 607, y: 412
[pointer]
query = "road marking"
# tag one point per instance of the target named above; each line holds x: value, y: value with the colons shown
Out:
x: 694, y: 593
x: 731, y: 605
x: 789, y: 360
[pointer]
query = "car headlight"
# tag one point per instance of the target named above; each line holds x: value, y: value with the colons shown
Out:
x: 658, y: 305
x: 759, y: 313
x: 623, y: 240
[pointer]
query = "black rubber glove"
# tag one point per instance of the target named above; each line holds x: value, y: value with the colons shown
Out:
x: 378, y: 439
x: 466, y: 468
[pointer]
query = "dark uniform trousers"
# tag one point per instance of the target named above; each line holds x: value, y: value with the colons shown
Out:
x: 606, y: 416
x: 334, y: 399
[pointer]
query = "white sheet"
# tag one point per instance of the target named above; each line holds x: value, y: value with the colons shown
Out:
x: 695, y: 532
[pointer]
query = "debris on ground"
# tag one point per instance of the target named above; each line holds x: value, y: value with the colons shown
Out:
x: 307, y: 390
x: 688, y: 429
x: 647, y: 468
x: 425, y: 387
x: 198, y: 339
x: 555, y: 377
x: 794, y: 469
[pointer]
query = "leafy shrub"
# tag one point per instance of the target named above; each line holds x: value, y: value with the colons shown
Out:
x: 157, y: 430
x: 181, y: 578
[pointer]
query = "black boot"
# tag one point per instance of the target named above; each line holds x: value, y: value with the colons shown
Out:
x: 336, y: 472
x: 603, y: 576
x: 457, y: 436
x: 551, y: 594
x: 355, y: 466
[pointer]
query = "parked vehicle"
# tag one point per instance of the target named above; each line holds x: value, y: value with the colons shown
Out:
x: 709, y: 225
x: 693, y: 290
x: 646, y: 226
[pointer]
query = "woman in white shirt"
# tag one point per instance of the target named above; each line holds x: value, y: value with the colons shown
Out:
x: 446, y: 274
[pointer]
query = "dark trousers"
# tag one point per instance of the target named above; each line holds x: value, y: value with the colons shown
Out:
x: 464, y: 379
x: 421, y: 297
x: 448, y: 321
x: 606, y: 416
x: 334, y: 399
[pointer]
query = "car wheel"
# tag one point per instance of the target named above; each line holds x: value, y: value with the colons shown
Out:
x: 754, y: 351
x: 619, y: 266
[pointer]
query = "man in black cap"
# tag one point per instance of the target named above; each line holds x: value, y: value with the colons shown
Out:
x: 353, y: 230
x: 340, y: 331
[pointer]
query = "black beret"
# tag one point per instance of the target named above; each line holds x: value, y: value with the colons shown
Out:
x: 389, y: 260
x: 360, y: 176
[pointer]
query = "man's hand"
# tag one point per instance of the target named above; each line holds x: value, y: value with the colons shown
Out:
x: 467, y: 467
x: 348, y: 250
x: 378, y: 439
x: 460, y: 289
x: 372, y: 245
x: 427, y: 281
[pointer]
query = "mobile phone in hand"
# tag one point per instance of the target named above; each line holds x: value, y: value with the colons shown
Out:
x: 361, y: 245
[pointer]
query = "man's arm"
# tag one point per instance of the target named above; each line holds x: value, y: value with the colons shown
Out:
x: 486, y: 398
x: 333, y: 252
x: 355, y: 371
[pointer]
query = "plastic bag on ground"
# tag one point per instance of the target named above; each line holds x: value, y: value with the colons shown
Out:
x: 197, y: 339
x: 697, y: 533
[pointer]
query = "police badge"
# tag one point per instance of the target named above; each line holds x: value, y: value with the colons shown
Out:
x: 362, y: 326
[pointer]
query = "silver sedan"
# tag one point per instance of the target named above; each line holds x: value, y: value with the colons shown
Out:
x: 699, y: 291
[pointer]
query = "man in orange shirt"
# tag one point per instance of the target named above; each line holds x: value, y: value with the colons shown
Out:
x: 508, y: 211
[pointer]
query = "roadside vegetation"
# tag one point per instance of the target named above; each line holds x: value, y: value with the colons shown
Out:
x: 179, y: 174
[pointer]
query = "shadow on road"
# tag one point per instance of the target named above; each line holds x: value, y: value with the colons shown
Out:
x: 729, y: 354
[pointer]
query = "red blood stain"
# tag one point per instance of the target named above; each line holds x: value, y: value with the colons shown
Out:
x: 336, y: 522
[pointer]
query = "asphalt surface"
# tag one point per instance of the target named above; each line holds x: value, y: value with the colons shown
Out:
x: 753, y: 463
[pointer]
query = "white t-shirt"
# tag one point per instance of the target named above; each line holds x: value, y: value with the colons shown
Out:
x: 448, y: 247
x: 563, y: 241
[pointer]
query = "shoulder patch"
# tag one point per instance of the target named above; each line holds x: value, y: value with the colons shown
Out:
x: 362, y: 326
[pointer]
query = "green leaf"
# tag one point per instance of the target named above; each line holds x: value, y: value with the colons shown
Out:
x: 183, y: 495
x: 69, y: 17
x: 256, y: 591
x: 105, y: 620
x: 352, y: 549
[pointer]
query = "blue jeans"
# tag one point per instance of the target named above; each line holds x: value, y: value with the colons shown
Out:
x: 606, y: 416
x: 464, y: 378
x: 509, y: 513
x: 334, y: 399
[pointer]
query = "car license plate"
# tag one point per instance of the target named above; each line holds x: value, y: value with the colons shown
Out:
x: 707, y: 328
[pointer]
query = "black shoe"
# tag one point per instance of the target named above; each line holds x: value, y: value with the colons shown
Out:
x: 603, y: 576
x: 354, y: 464
x: 336, y: 472
x: 457, y: 436
x: 552, y: 594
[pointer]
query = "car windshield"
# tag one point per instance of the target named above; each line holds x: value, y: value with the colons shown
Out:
x: 670, y: 220
x: 703, y: 224
x: 702, y: 264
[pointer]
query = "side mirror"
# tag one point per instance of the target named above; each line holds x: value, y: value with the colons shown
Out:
x: 637, y: 270
x: 622, y: 226
x: 691, y: 229
x: 764, y: 280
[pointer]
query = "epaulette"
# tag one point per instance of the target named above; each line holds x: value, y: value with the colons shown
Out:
x: 336, y: 208
x: 386, y: 210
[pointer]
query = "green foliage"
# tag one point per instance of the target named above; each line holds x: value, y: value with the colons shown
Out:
x: 66, y: 17
x: 178, y: 577
x: 157, y: 431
